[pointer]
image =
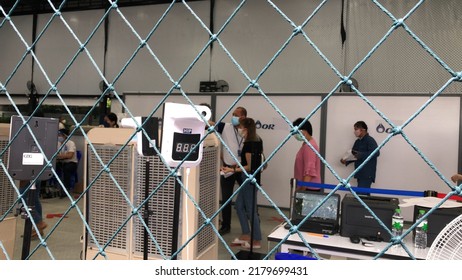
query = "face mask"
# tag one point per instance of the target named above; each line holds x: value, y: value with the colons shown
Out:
x: 235, y: 120
x: 63, y: 121
x: 241, y: 132
x: 298, y: 137
x: 60, y: 139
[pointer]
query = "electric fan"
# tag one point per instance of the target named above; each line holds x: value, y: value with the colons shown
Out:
x: 448, y: 243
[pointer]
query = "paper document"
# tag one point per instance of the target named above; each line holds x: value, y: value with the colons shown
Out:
x: 227, y: 174
x: 348, y: 156
x: 428, y: 202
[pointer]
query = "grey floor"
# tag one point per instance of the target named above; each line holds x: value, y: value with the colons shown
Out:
x: 64, y: 241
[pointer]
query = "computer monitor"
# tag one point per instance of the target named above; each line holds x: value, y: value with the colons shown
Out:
x: 305, y: 202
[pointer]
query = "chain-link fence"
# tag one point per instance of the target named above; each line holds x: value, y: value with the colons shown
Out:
x: 83, y: 59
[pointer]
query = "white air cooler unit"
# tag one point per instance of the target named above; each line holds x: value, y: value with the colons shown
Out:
x: 107, y: 209
x: 7, y: 193
x: 7, y: 198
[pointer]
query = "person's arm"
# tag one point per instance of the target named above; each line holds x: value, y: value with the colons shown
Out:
x: 69, y: 154
x: 309, y: 163
x: 65, y: 155
x: 347, y: 162
x: 371, y: 145
x: 248, y: 157
x: 344, y: 161
x: 353, y: 152
x: 307, y: 178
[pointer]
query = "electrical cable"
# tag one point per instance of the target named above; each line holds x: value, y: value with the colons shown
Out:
x: 188, y: 171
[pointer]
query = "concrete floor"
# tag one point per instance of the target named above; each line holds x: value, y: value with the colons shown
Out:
x: 64, y: 241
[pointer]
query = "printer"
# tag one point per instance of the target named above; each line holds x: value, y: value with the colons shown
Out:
x: 437, y: 220
x: 356, y: 220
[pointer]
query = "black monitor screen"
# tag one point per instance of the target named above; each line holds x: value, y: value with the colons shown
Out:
x: 305, y: 202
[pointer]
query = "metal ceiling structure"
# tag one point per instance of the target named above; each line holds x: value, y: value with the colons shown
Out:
x: 27, y: 7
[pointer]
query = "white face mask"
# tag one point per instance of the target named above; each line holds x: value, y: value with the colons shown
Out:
x: 298, y: 137
x: 235, y: 120
x: 60, y: 139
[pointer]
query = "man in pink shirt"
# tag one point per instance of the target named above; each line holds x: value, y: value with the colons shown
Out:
x: 307, y: 166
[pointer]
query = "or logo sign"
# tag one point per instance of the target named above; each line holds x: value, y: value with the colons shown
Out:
x: 187, y: 130
x: 259, y: 125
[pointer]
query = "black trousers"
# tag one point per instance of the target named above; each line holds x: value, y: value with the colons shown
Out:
x: 227, y: 189
x: 68, y: 170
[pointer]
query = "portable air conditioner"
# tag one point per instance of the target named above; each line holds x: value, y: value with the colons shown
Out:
x: 7, y: 198
x: 7, y: 193
x: 107, y: 208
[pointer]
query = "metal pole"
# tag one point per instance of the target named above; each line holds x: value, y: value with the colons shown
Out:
x: 146, y: 210
x: 176, y: 216
x: 28, y: 225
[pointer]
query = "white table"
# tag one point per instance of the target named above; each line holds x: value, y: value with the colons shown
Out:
x: 336, y: 245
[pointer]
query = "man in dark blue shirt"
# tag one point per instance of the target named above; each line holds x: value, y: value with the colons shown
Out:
x: 362, y: 148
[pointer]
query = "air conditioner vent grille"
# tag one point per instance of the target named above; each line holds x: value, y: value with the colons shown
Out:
x: 161, y: 206
x: 207, y: 196
x: 109, y: 209
x: 7, y: 193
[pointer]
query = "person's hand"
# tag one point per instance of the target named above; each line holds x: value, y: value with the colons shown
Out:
x: 226, y: 169
x: 456, y: 177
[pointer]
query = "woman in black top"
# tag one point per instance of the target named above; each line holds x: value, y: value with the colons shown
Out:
x: 246, y: 199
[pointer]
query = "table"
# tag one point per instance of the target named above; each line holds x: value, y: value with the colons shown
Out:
x: 336, y: 245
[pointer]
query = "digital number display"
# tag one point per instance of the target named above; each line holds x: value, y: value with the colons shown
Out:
x: 184, y: 147
x: 183, y: 144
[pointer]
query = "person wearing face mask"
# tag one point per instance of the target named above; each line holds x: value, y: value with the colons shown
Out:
x: 246, y: 206
x: 307, y: 165
x: 110, y: 120
x: 362, y: 148
x: 235, y: 142
x: 67, y: 160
